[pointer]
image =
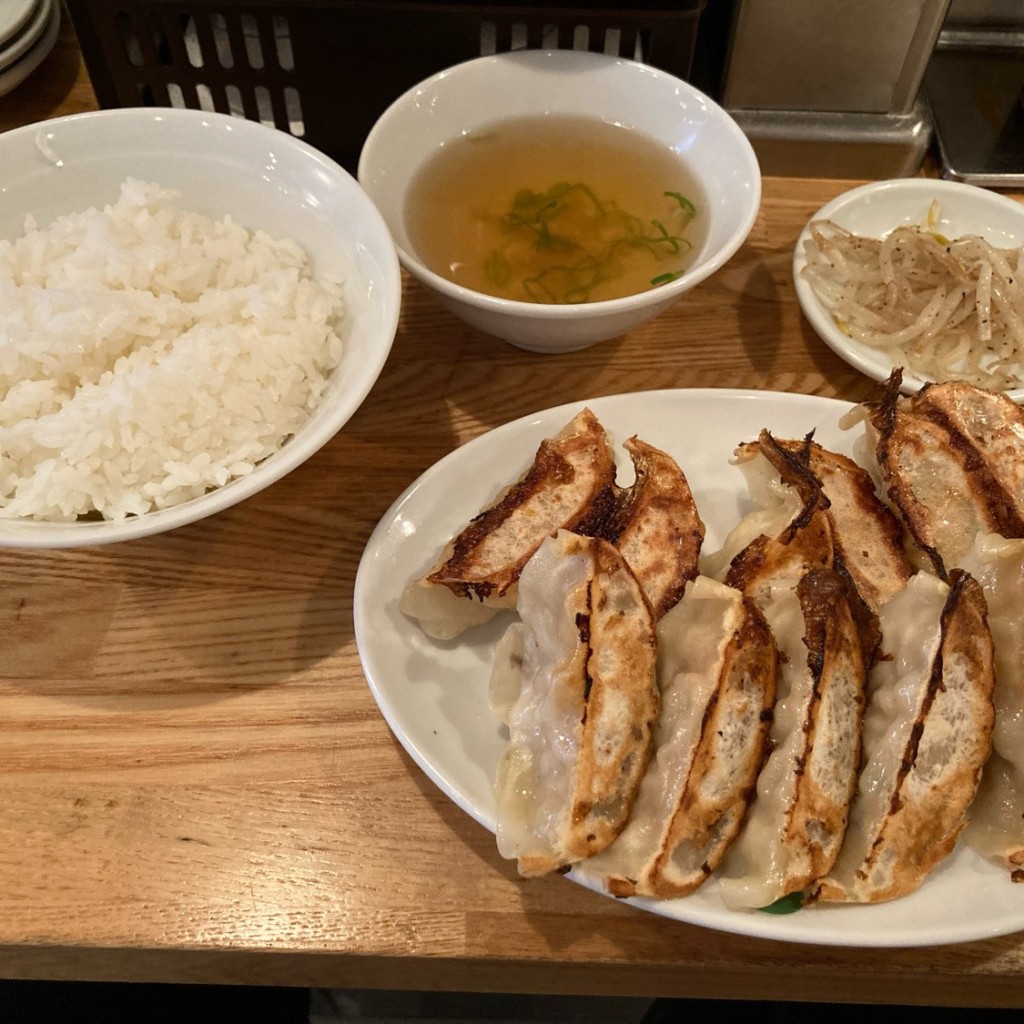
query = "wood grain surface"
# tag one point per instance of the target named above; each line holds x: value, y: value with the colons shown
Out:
x: 197, y: 784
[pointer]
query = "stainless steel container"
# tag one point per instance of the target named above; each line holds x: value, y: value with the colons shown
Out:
x: 830, y: 87
x: 974, y: 88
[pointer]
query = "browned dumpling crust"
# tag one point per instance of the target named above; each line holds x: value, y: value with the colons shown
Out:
x: 988, y: 427
x: 832, y: 728
x: 582, y: 718
x: 620, y: 696
x: 868, y: 538
x: 656, y: 526
x: 798, y: 821
x: 717, y: 670
x: 722, y: 778
x: 805, y: 544
x: 952, y: 457
x: 935, y: 774
x: 568, y: 486
x: 937, y: 481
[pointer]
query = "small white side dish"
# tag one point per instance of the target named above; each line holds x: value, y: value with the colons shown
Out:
x: 264, y: 179
x: 481, y: 92
x: 876, y: 209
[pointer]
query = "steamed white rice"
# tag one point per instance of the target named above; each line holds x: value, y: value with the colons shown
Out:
x: 149, y: 354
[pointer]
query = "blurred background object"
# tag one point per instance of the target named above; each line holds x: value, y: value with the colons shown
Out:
x: 830, y: 88
x: 295, y: 65
x: 973, y: 86
x: 28, y: 31
x: 822, y: 88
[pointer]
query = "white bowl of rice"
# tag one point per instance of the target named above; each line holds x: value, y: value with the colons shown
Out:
x: 921, y: 274
x: 191, y: 305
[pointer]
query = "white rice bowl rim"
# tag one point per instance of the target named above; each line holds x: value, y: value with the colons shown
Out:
x: 109, y: 144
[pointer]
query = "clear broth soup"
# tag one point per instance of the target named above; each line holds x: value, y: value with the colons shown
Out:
x: 556, y: 209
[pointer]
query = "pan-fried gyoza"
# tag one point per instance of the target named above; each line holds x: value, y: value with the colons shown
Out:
x: 996, y: 827
x: 656, y: 526
x: 881, y: 576
x: 569, y: 486
x: 577, y: 677
x: 989, y: 428
x: 717, y: 666
x: 868, y: 540
x: 797, y: 821
x: 819, y: 708
x: 944, y: 483
x: 927, y: 736
x: 952, y: 456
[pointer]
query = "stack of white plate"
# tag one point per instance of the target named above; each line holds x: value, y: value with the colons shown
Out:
x: 28, y: 30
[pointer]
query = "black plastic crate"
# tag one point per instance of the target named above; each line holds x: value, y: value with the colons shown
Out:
x: 325, y: 71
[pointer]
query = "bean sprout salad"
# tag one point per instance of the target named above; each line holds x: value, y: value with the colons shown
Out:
x: 941, y: 307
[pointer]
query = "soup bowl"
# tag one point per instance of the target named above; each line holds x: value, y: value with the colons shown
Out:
x: 475, y: 96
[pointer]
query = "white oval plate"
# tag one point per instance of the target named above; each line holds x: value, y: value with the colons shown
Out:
x: 434, y: 695
x: 874, y: 210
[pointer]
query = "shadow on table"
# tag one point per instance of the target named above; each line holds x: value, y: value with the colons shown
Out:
x: 24, y: 1002
x: 58, y: 1002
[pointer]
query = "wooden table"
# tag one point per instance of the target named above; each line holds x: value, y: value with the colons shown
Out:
x: 197, y: 785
